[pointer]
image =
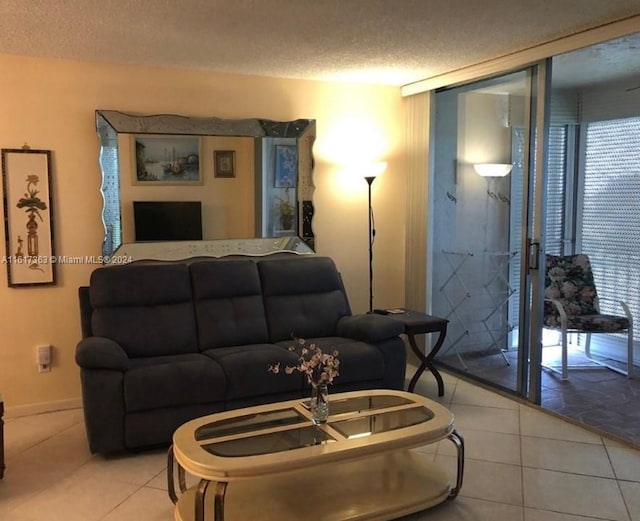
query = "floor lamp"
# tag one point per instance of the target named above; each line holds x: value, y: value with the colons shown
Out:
x: 370, y: 176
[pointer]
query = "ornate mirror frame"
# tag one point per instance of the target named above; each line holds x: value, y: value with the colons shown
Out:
x: 267, y: 135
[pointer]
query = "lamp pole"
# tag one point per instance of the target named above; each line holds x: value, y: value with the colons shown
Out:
x: 372, y: 234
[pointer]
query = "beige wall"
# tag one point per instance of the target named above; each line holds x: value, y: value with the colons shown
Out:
x: 50, y: 104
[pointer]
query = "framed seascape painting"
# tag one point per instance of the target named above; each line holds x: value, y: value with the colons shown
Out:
x: 28, y: 226
x: 167, y: 160
x: 286, y: 168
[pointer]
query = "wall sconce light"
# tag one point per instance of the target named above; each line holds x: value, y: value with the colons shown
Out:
x: 370, y: 173
x: 493, y: 169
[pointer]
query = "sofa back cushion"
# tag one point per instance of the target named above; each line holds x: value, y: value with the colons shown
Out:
x: 228, y: 303
x: 146, y: 308
x: 303, y: 297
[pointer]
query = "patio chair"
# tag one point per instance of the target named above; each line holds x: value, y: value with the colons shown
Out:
x: 571, y: 305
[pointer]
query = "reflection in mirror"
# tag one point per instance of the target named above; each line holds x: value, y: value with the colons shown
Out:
x: 253, y: 177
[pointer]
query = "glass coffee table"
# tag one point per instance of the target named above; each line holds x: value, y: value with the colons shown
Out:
x: 270, y: 462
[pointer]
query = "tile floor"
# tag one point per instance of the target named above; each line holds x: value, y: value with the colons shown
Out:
x: 521, y: 465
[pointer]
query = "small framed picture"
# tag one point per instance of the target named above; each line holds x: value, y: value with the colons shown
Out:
x: 225, y: 163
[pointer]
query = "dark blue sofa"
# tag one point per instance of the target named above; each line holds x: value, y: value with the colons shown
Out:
x: 167, y: 342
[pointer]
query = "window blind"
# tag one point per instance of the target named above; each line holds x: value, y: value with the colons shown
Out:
x: 610, y: 227
x: 555, y: 189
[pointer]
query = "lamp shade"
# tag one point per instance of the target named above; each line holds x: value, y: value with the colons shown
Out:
x: 373, y: 170
x: 493, y: 169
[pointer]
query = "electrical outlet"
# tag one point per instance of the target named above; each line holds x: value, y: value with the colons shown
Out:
x: 43, y: 353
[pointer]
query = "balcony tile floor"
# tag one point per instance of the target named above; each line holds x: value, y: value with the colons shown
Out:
x: 595, y: 396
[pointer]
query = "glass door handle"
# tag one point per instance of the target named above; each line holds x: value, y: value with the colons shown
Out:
x: 533, y: 260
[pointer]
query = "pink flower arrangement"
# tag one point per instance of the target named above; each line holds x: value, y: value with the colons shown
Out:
x: 318, y: 367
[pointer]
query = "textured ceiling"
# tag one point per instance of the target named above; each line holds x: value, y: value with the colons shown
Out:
x: 392, y: 42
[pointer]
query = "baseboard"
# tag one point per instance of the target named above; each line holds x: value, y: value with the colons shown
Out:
x: 42, y: 407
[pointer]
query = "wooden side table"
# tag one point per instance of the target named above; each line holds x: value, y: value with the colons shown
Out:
x: 417, y: 323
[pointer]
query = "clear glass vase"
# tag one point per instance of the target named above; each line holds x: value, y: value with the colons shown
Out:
x: 320, y: 403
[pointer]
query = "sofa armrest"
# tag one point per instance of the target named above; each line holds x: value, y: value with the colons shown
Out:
x: 369, y: 327
x: 101, y: 353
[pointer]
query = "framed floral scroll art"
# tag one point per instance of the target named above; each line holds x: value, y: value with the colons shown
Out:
x: 26, y: 178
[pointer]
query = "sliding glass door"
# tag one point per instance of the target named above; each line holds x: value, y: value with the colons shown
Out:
x: 574, y: 185
x: 485, y: 232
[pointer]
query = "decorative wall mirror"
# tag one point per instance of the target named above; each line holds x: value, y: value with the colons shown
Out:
x: 249, y: 178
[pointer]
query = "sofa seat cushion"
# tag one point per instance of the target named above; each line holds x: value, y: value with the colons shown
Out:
x: 359, y: 361
x: 247, y: 372
x: 170, y: 381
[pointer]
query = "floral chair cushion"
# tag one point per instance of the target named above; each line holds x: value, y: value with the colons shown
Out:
x: 569, y: 280
x: 596, y: 323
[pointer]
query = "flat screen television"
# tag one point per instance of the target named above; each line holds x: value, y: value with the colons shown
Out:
x: 167, y: 220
